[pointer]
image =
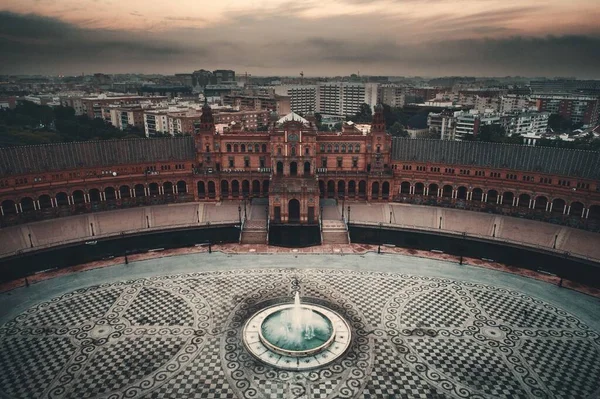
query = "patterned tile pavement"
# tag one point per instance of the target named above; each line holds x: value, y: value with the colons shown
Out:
x: 413, y: 337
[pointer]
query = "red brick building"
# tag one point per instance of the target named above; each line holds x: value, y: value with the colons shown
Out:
x: 295, y: 166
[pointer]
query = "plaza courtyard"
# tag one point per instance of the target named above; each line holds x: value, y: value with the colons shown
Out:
x: 172, y: 328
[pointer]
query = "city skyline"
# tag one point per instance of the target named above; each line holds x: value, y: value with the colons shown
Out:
x: 435, y: 38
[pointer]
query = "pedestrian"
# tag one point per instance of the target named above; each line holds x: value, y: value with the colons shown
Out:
x: 126, y: 260
x: 560, y: 282
x: 26, y: 282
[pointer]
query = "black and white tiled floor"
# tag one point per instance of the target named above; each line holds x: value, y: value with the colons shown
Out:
x: 413, y: 337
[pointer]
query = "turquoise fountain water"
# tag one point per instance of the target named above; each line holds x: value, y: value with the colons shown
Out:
x: 297, y: 328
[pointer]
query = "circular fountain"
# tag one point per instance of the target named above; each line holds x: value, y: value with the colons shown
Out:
x: 296, y: 336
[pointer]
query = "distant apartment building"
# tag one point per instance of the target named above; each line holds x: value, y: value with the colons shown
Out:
x: 343, y: 98
x: 577, y: 109
x: 203, y: 78
x: 484, y: 104
x: 526, y: 123
x: 553, y: 85
x: 223, y: 75
x: 123, y: 117
x: 74, y: 102
x: 276, y: 103
x: 94, y: 106
x: 392, y: 95
x: 441, y: 124
x: 39, y: 99
x: 172, y: 121
x: 330, y: 98
x: 513, y: 102
x: 156, y: 122
x: 302, y: 98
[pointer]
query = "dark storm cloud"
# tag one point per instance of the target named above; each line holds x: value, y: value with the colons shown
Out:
x: 29, y: 41
x: 332, y: 46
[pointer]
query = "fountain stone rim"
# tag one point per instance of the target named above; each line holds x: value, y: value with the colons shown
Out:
x: 286, y: 352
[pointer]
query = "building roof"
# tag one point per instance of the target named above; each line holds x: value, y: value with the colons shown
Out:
x: 292, y: 116
x: 558, y: 161
x: 104, y: 153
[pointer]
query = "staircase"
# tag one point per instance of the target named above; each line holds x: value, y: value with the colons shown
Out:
x: 255, y: 227
x: 334, y: 232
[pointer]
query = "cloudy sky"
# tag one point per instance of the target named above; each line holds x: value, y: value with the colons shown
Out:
x: 319, y: 37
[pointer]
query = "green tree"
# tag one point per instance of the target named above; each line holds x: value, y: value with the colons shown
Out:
x: 364, y: 115
x: 559, y: 124
x: 397, y: 130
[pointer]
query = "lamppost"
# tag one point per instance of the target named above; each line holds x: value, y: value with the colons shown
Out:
x: 343, y: 202
x: 379, y: 247
x: 440, y: 223
x: 494, y: 233
x: 390, y: 217
x: 348, y: 214
x: 240, y: 215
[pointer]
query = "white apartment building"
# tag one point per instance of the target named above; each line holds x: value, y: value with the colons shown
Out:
x: 526, y: 123
x: 303, y: 98
x: 156, y: 121
x: 330, y: 98
x: 470, y: 123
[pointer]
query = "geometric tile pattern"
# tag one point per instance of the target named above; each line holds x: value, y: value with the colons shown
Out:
x: 412, y: 337
x: 159, y: 308
x: 436, y: 308
x: 472, y: 364
x: 29, y: 364
x: 518, y: 312
x: 137, y: 358
x: 75, y: 311
x: 569, y: 368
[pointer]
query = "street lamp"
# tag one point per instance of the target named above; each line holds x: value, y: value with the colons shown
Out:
x: 379, y: 247
x: 343, y: 202
x: 348, y: 214
x: 240, y: 214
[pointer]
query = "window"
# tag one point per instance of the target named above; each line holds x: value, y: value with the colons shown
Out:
x: 336, y: 148
x: 329, y: 147
x: 246, y: 162
x: 354, y: 162
x: 249, y: 147
x: 421, y: 168
x: 449, y: 171
x: 435, y: 169
x: 262, y: 162
x: 278, y: 150
x: 343, y: 147
x: 357, y: 148
x: 545, y: 180
x: 339, y: 162
x: 243, y: 147
x: 322, y: 147
x: 528, y: 178
x: 256, y: 148
x: 306, y: 150
x: 231, y: 163
x: 511, y: 176
x: 465, y: 171
x: 264, y: 148
x: 378, y: 148
x: 293, y: 151
x: 324, y: 162
x: 480, y: 173
x: 495, y: 174
x: 585, y: 186
x: 235, y: 148
x: 564, y: 183
x: 406, y: 167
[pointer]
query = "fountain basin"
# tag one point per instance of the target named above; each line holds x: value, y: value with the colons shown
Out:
x: 274, y: 332
x: 326, y: 347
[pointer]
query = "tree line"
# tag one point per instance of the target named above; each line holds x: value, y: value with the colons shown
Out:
x: 33, y: 124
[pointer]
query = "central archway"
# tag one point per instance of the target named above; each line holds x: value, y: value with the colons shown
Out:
x: 294, y: 210
x: 293, y: 169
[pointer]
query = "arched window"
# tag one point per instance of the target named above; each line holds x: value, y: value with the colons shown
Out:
x: 378, y: 148
x: 278, y: 150
x: 336, y: 148
x: 328, y: 147
x: 243, y: 147
x: 357, y: 148
x: 343, y: 147
x: 228, y: 147
x: 256, y: 148
x: 306, y: 150
x: 322, y: 147
x: 235, y: 148
x: 249, y: 147
x: 264, y: 148
x: 207, y: 148
x: 293, y: 151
